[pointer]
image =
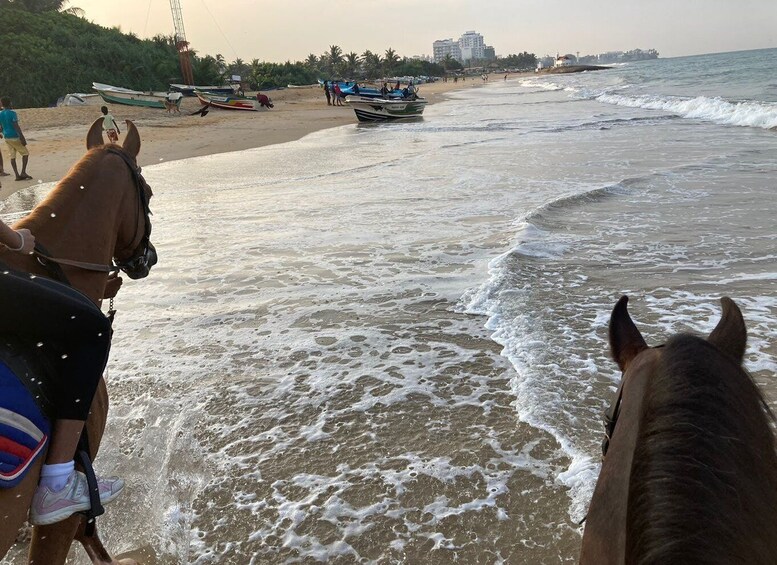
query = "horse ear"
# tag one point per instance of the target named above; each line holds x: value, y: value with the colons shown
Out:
x: 730, y: 335
x: 95, y: 136
x: 132, y: 140
x: 625, y: 340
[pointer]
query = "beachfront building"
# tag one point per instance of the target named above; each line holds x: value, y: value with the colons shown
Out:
x: 562, y: 61
x: 443, y: 47
x: 472, y: 46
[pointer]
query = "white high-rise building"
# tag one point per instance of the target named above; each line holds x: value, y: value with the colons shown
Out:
x: 472, y: 46
x: 443, y: 47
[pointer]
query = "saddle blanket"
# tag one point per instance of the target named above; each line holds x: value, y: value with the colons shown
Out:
x: 24, y: 430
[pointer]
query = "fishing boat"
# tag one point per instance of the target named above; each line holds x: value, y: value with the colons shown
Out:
x: 188, y: 89
x: 119, y: 95
x: 368, y: 109
x: 227, y: 102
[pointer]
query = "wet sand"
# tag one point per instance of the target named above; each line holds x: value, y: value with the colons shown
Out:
x: 56, y: 136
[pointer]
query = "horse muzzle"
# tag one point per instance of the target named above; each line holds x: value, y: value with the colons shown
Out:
x: 139, y: 266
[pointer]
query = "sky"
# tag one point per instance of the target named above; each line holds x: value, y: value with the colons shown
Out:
x: 281, y: 30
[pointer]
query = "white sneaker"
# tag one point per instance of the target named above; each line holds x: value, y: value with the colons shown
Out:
x: 49, y: 507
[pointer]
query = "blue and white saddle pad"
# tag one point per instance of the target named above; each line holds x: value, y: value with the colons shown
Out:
x: 24, y: 430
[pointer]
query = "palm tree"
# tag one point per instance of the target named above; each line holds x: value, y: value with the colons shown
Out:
x: 221, y: 65
x: 447, y: 62
x: 371, y: 64
x: 390, y: 61
x: 311, y: 61
x: 49, y: 6
x: 335, y: 54
x: 351, y: 64
x: 238, y: 67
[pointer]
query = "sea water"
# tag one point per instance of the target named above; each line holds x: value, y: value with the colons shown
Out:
x: 387, y: 344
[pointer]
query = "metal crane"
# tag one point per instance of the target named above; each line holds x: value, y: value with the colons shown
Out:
x: 181, y: 44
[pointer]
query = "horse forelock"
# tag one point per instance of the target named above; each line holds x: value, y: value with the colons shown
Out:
x: 703, y: 483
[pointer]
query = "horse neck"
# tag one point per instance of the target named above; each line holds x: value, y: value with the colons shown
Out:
x: 704, y: 474
x: 604, y: 538
x: 77, y: 223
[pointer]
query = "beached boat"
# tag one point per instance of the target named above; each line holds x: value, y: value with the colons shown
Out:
x: 118, y: 95
x: 368, y: 109
x: 188, y: 89
x: 227, y: 102
x: 75, y: 99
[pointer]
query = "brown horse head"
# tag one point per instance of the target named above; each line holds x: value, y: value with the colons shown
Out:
x: 691, y: 471
x: 137, y: 257
x: 98, y: 213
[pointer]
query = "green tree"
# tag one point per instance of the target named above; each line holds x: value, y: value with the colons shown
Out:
x: 371, y: 64
x: 351, y: 64
x: 335, y: 55
x: 390, y: 61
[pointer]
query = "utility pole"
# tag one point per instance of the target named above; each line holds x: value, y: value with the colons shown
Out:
x: 181, y: 44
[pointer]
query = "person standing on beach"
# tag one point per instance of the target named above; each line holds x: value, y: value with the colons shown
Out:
x: 14, y: 138
x: 326, y: 91
x: 2, y: 169
x: 338, y: 95
x: 110, y: 126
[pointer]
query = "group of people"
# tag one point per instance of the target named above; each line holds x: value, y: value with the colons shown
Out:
x: 334, y: 95
x: 14, y: 140
x: 11, y: 131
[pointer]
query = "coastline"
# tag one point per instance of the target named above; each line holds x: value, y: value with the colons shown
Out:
x: 56, y: 135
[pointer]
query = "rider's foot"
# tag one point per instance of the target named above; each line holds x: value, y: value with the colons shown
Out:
x: 49, y: 507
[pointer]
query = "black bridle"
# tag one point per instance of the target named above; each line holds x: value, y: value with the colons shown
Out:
x: 143, y: 256
x: 611, y: 418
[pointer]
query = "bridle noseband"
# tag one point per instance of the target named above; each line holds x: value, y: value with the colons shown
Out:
x: 144, y: 255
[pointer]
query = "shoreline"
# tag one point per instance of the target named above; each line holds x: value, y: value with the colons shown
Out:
x: 56, y: 136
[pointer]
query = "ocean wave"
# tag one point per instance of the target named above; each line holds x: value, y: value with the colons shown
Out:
x: 540, y: 84
x: 717, y: 110
x: 610, y: 122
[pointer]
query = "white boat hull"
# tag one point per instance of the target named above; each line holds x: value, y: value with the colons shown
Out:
x: 383, y: 110
x: 118, y: 95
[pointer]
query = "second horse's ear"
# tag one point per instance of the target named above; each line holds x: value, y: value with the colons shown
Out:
x: 730, y: 335
x: 625, y: 340
x: 132, y: 140
x: 94, y: 138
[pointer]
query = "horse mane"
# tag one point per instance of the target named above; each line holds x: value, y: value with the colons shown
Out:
x: 703, y: 483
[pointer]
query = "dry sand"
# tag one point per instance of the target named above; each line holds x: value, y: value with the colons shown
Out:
x: 56, y: 136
